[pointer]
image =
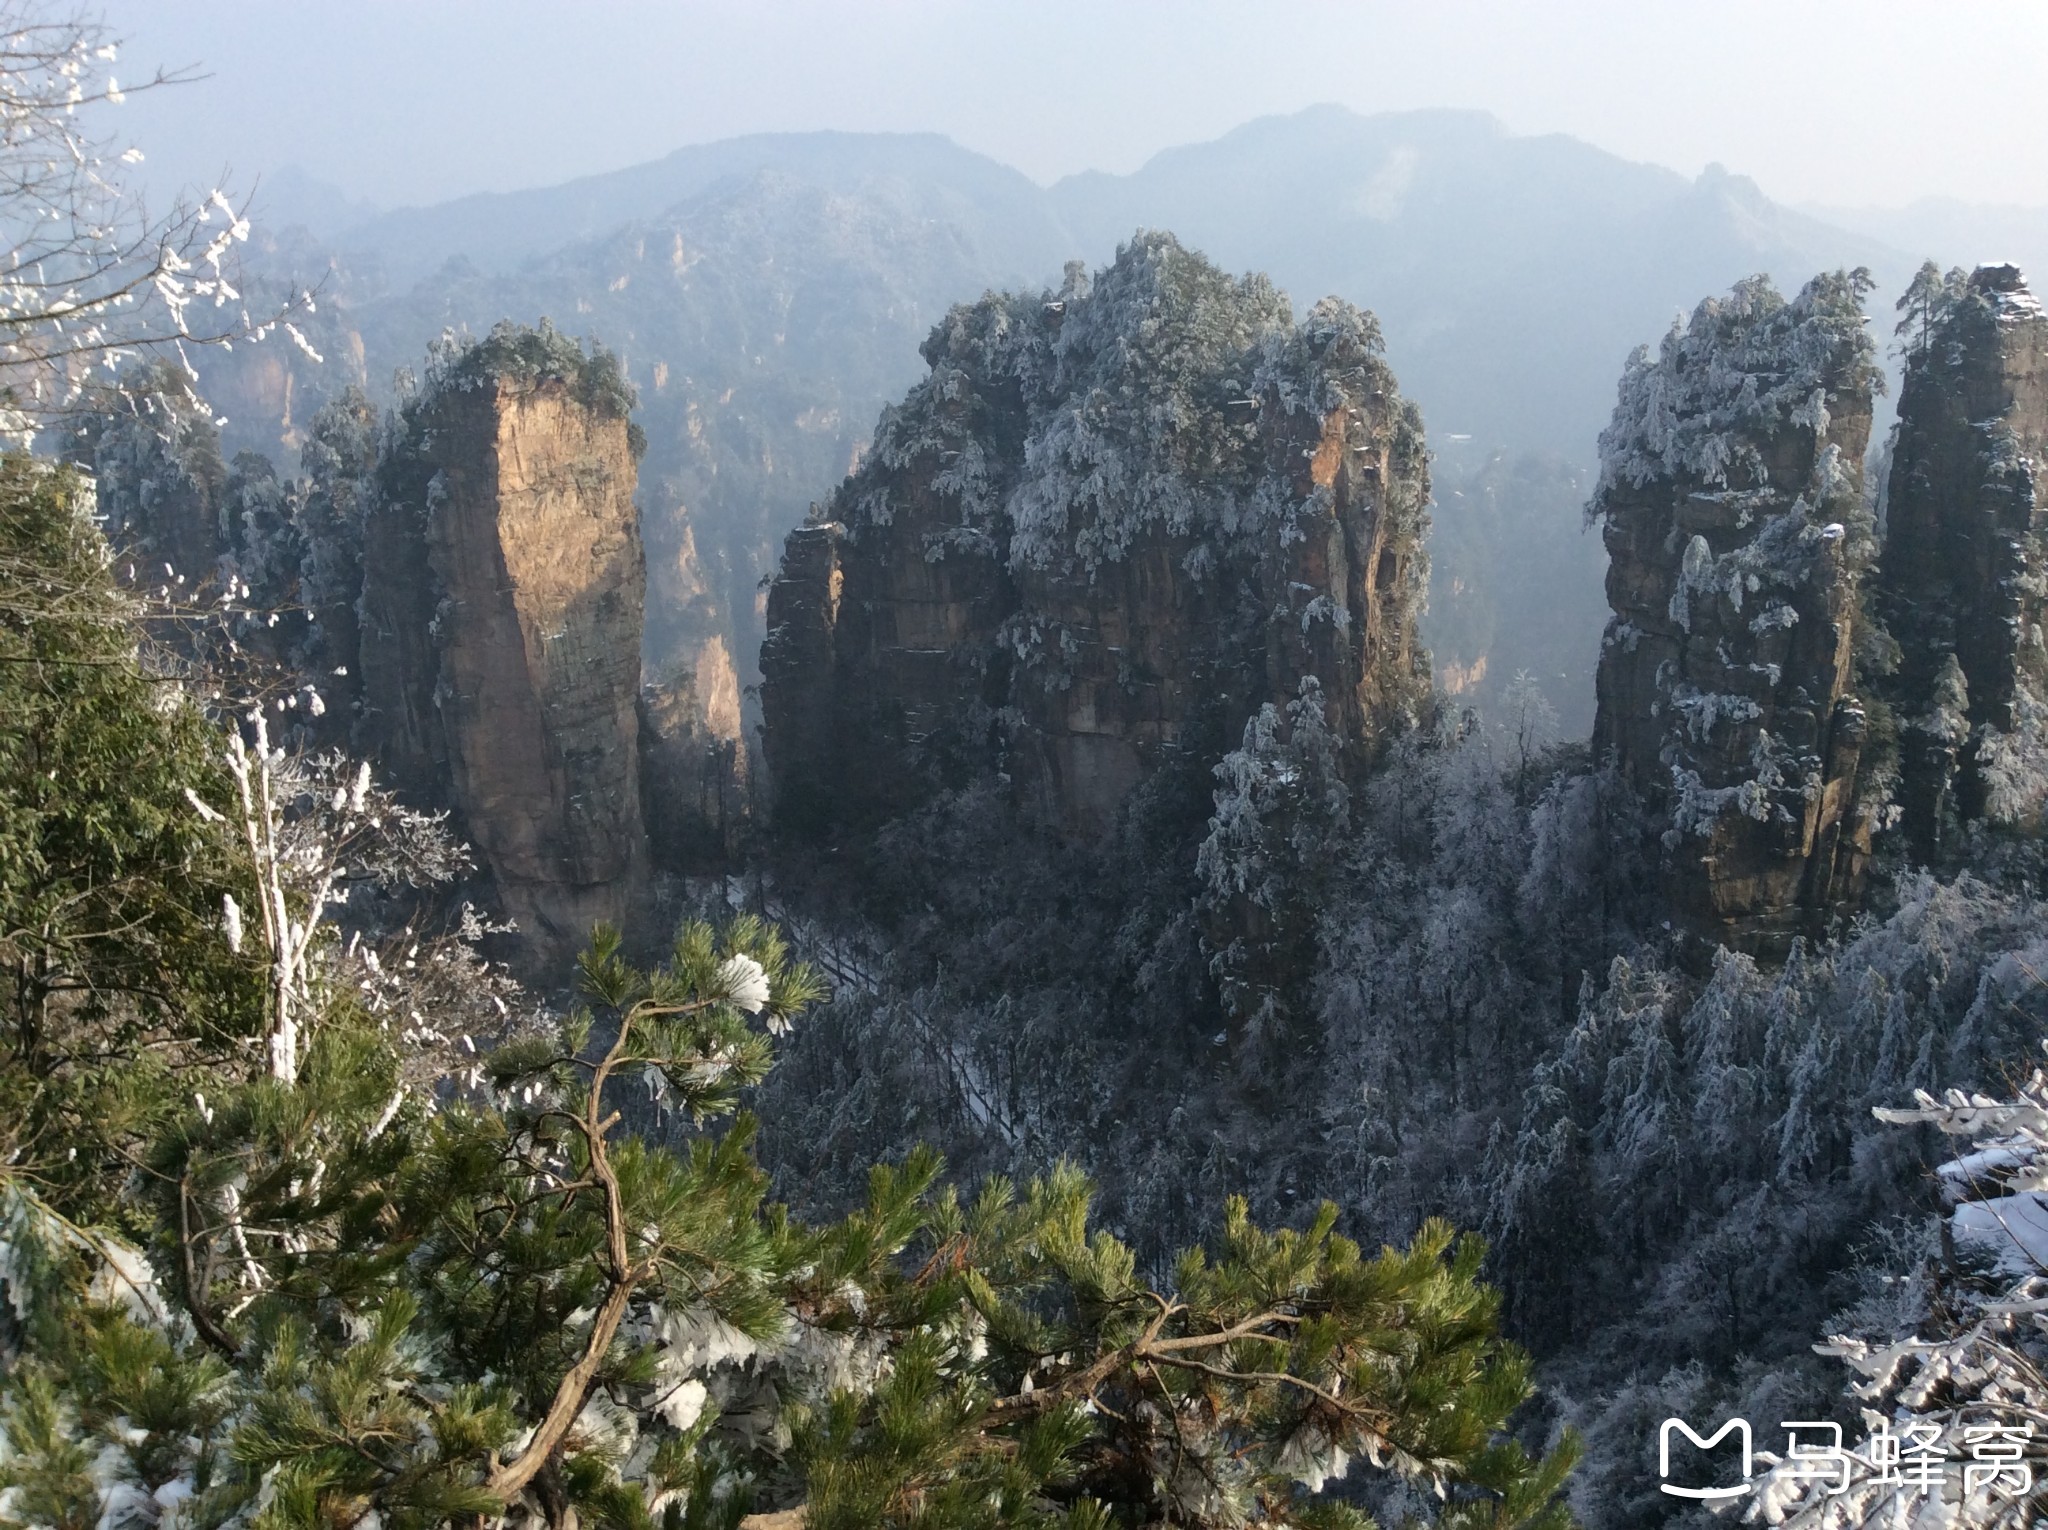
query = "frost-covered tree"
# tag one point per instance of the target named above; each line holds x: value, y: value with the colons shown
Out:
x: 1951, y: 1374
x: 338, y: 466
x: 1281, y: 811
x: 260, y: 520
x: 1740, y: 370
x: 154, y: 453
x: 94, y: 281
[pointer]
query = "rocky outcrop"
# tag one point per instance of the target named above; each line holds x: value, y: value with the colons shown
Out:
x: 1730, y: 498
x: 338, y: 461
x: 154, y: 453
x: 1111, y: 523
x: 693, y: 763
x: 1964, y: 576
x: 501, y: 612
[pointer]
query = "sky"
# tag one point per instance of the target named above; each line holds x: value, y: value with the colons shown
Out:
x: 398, y: 102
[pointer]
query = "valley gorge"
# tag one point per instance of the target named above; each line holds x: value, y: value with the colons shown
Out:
x: 718, y: 812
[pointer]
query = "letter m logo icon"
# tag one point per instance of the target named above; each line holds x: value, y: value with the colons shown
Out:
x: 1739, y: 1427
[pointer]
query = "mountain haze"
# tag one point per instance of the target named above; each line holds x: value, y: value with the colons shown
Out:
x: 767, y: 296
x: 997, y: 207
x: 1952, y: 233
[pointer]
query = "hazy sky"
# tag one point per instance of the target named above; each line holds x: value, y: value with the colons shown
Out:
x: 399, y: 101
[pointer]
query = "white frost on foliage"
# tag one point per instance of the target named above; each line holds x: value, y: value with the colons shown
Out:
x: 2015, y: 763
x: 1695, y: 571
x: 33, y: 1242
x: 696, y: 1340
x: 124, y: 1279
x: 1949, y: 1382
x: 743, y: 983
x: 2013, y: 1227
x: 703, y: 1364
x: 1143, y: 393
x: 1780, y: 558
x: 1280, y: 796
x: 1704, y: 711
x: 606, y: 1426
x: 683, y: 1404
x: 1745, y: 366
x: 1311, y: 1458
x: 1696, y: 807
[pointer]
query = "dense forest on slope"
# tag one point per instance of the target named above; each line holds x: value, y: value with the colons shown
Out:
x: 1440, y: 978
x: 284, y: 1246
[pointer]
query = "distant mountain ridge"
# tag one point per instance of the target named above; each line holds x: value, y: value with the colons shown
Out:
x: 500, y: 231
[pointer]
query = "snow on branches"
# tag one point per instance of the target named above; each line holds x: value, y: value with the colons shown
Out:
x: 1954, y: 1408
x: 1745, y: 366
x: 89, y: 280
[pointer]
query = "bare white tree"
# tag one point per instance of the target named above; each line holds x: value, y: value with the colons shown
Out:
x: 314, y: 825
x: 90, y: 278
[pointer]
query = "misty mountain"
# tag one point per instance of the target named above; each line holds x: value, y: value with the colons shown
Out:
x: 768, y: 295
x: 765, y: 320
x: 1511, y: 274
x: 1002, y: 212
x: 290, y: 198
x: 1952, y: 233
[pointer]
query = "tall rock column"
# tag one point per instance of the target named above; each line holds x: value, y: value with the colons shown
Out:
x: 1730, y: 497
x: 1964, y: 576
x: 154, y: 453
x: 1111, y: 524
x: 503, y: 587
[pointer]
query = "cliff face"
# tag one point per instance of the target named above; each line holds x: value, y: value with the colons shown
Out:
x: 1109, y: 524
x: 1964, y: 576
x: 693, y: 763
x: 1731, y: 502
x: 503, y: 585
x: 155, y: 457
x: 339, y: 465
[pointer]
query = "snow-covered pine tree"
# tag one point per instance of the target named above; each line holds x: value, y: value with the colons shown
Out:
x: 1281, y: 811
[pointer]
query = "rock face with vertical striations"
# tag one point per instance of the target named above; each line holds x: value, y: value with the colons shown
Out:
x: 503, y: 585
x: 1111, y: 523
x: 1964, y: 576
x: 1731, y: 502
